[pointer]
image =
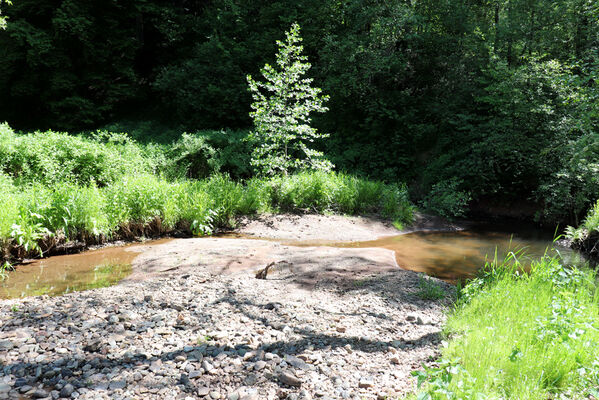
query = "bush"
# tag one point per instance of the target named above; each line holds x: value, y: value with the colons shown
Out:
x: 445, y: 199
x: 52, y: 157
x: 586, y: 236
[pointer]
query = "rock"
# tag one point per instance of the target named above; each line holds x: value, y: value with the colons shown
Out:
x: 341, y: 329
x: 39, y: 394
x: 6, y: 345
x: 250, y: 380
x: 366, y: 382
x: 26, y: 388
x: 67, y: 390
x: 214, y: 395
x: 184, y: 379
x: 203, y: 391
x: 289, y: 379
x: 194, y: 374
x: 4, y: 388
x: 117, y: 385
x: 295, y: 362
x: 207, y: 366
x: 259, y: 365
x: 395, y: 360
x: 20, y: 382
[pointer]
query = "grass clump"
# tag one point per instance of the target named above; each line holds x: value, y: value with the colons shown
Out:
x: 428, y: 289
x: 586, y: 236
x: 517, y: 335
x: 337, y: 192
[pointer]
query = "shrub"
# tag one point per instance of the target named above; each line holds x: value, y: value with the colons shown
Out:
x: 446, y: 200
x: 51, y: 157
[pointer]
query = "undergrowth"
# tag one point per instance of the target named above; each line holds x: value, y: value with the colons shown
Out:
x: 586, y: 236
x: 516, y: 335
x: 56, y: 188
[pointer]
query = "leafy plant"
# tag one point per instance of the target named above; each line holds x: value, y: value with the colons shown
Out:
x: 2, y: 18
x: 281, y: 112
x: 446, y: 200
x: 28, y: 236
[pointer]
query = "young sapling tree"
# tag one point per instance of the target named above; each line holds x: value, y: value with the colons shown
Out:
x: 282, y: 105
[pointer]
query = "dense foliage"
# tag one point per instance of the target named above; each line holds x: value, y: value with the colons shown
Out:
x: 499, y: 95
x: 503, y: 345
x: 56, y: 188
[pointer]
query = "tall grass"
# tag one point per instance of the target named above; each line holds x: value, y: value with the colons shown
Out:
x: 586, y: 236
x: 148, y: 205
x: 517, y: 335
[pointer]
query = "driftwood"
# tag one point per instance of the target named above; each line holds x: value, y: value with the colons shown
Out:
x: 263, y: 273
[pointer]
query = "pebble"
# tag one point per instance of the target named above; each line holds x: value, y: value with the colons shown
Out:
x: 217, y: 336
x: 289, y: 379
x: 67, y: 390
x: 366, y: 382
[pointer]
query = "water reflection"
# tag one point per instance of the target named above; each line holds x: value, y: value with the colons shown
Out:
x: 68, y: 273
x: 460, y: 254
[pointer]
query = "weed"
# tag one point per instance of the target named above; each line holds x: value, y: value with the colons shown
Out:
x: 428, y: 289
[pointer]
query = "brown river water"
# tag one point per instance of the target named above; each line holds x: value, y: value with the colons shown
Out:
x: 450, y: 255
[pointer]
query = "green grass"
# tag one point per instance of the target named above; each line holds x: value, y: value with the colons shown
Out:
x: 55, y: 187
x: 428, y: 289
x: 520, y: 335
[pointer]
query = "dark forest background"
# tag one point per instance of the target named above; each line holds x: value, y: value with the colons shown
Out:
x: 497, y: 99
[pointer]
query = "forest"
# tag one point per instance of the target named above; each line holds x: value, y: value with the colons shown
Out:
x: 299, y: 136
x: 497, y: 99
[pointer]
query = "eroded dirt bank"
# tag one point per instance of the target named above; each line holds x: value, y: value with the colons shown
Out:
x: 192, y: 321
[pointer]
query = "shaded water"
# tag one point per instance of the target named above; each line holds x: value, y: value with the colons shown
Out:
x: 64, y: 274
x: 453, y: 255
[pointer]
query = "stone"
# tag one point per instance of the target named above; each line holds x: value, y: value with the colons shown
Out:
x: 207, y: 366
x: 366, y: 382
x: 341, y: 329
x: 117, y: 385
x: 39, y: 394
x: 20, y: 382
x: 26, y: 388
x: 259, y: 365
x: 6, y: 345
x: 184, y: 379
x: 295, y: 362
x: 289, y: 379
x: 195, y: 374
x: 67, y: 390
